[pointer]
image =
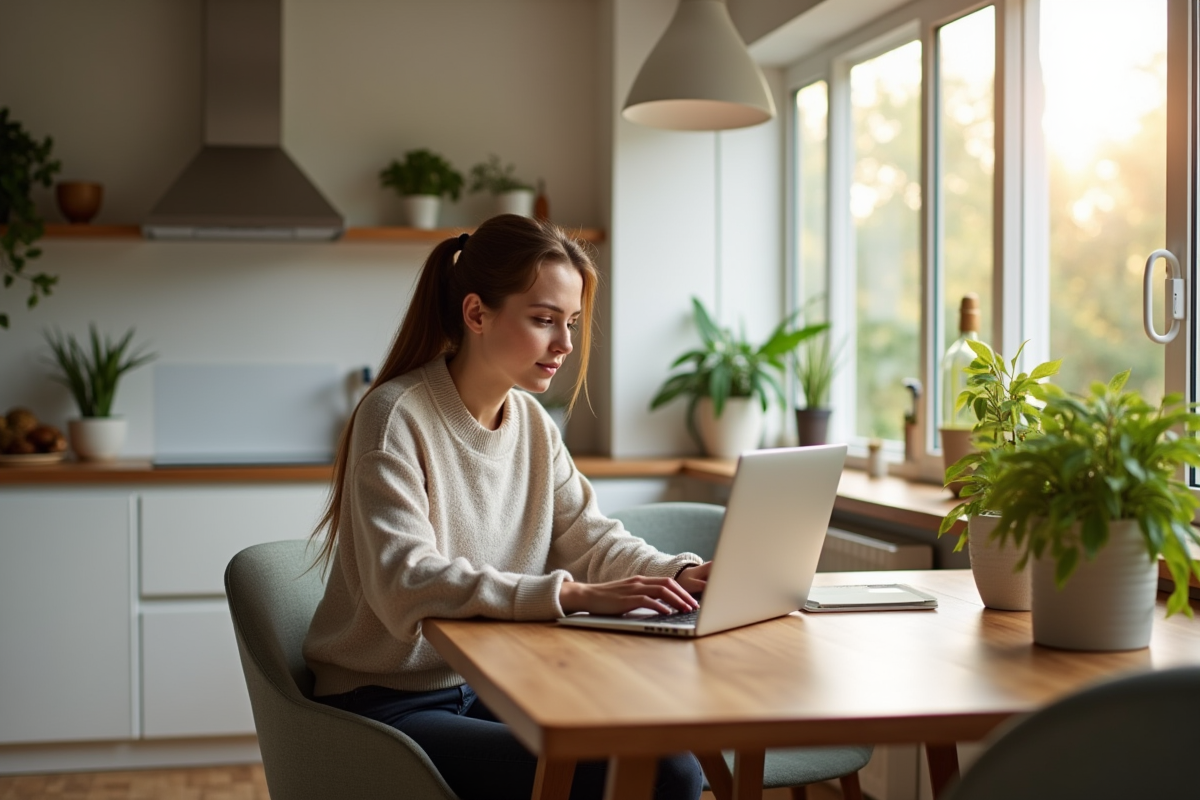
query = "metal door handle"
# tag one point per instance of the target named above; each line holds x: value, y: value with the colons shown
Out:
x: 1174, y: 296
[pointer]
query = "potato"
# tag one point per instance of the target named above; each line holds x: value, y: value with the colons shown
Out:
x: 45, y: 439
x: 20, y: 447
x: 21, y: 421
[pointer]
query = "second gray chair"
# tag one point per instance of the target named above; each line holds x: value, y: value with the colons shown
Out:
x: 694, y: 528
x: 1131, y: 737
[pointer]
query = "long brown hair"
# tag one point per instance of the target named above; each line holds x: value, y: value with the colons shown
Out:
x: 502, y: 257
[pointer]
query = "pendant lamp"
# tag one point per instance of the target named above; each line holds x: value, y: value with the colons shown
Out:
x: 700, y: 77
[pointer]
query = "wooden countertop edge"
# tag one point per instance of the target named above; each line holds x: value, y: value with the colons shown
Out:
x: 895, y: 499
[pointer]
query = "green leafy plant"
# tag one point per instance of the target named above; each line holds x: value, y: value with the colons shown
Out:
x: 92, y: 374
x: 1107, y: 456
x: 422, y: 172
x: 492, y: 177
x: 999, y: 396
x: 728, y: 366
x: 24, y: 164
x: 815, y: 362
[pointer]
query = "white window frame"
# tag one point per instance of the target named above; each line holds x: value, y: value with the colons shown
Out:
x: 1021, y: 275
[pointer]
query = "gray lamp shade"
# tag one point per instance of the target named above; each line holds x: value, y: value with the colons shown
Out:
x: 700, y: 77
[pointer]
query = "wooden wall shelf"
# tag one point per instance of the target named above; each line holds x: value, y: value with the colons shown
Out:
x: 383, y: 235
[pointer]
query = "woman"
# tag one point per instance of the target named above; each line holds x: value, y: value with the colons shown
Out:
x: 454, y: 497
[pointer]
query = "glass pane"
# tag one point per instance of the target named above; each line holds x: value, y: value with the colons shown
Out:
x: 1104, y: 67
x: 885, y: 203
x: 966, y: 157
x: 812, y: 117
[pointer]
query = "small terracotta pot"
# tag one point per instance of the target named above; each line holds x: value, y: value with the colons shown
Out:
x: 79, y: 201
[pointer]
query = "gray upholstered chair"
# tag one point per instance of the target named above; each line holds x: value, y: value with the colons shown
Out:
x: 694, y: 527
x: 1131, y: 737
x: 310, y: 751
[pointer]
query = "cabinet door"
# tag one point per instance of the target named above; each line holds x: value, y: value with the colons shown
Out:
x: 189, y: 535
x: 192, y: 682
x: 66, y: 616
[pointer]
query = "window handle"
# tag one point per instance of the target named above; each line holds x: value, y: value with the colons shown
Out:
x: 1174, y: 296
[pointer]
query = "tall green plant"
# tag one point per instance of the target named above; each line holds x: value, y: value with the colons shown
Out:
x: 999, y: 397
x: 1108, y: 456
x: 92, y: 374
x: 815, y: 361
x: 24, y: 164
x: 422, y: 172
x: 727, y: 366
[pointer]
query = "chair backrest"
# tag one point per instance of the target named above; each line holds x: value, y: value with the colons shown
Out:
x: 309, y: 750
x: 676, y: 527
x: 1132, y: 737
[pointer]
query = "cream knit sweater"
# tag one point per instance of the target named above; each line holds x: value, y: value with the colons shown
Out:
x: 442, y: 517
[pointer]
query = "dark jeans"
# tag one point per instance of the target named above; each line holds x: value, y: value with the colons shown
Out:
x: 478, y: 755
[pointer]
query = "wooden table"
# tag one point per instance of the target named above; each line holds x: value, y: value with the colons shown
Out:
x: 937, y: 677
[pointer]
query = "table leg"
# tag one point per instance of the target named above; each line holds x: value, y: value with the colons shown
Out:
x: 748, y: 774
x: 630, y: 778
x: 943, y: 765
x: 553, y: 779
x: 717, y: 772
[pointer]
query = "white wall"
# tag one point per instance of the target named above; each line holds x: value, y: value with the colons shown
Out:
x: 118, y: 86
x: 664, y: 242
x: 540, y: 82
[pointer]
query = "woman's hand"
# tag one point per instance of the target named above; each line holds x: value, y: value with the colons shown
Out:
x: 663, y: 595
x: 694, y: 579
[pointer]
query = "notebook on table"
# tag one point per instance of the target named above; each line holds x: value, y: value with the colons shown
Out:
x: 770, y: 541
x: 868, y: 597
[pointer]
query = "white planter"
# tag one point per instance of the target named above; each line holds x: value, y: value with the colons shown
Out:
x: 518, y: 201
x: 97, y: 438
x: 740, y: 427
x: 1108, y: 604
x: 421, y: 210
x: 993, y: 567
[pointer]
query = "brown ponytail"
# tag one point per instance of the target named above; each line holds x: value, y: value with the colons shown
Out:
x: 501, y: 258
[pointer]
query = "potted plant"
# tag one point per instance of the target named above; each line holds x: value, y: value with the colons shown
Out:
x: 24, y: 164
x: 1093, y: 502
x: 814, y: 362
x: 92, y: 375
x: 729, y: 382
x: 513, y: 196
x: 422, y: 179
x: 999, y: 398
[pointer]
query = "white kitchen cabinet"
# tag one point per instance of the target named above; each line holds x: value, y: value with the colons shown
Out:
x: 66, y: 615
x: 192, y: 682
x: 189, y: 535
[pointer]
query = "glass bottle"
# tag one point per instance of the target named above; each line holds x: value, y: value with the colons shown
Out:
x: 955, y: 362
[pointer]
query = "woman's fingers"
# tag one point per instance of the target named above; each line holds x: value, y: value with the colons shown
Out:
x: 694, y: 579
x: 663, y: 595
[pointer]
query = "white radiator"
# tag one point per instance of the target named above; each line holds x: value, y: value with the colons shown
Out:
x: 845, y: 551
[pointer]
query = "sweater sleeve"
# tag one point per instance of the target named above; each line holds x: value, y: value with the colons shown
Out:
x: 595, y: 548
x: 406, y: 578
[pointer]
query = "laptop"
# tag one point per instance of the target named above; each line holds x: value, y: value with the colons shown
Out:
x: 767, y: 552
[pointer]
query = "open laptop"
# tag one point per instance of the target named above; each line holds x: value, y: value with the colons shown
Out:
x: 767, y: 553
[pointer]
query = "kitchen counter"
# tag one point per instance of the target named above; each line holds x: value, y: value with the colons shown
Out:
x: 918, y: 505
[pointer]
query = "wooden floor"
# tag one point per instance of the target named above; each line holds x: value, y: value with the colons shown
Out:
x: 242, y: 782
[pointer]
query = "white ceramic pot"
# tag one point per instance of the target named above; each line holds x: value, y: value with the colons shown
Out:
x: 739, y: 428
x: 993, y: 566
x: 518, y: 201
x: 1108, y: 604
x: 421, y: 210
x: 96, y: 438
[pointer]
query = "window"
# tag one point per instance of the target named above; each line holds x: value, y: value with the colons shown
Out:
x: 1022, y: 150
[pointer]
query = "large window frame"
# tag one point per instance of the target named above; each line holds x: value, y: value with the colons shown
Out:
x: 1021, y: 275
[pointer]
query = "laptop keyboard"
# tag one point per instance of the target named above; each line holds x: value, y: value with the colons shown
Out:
x: 678, y: 618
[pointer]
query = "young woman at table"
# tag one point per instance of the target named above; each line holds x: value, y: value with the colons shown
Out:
x: 454, y: 497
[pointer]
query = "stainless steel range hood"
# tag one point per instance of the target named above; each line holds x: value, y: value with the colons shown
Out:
x: 242, y: 184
